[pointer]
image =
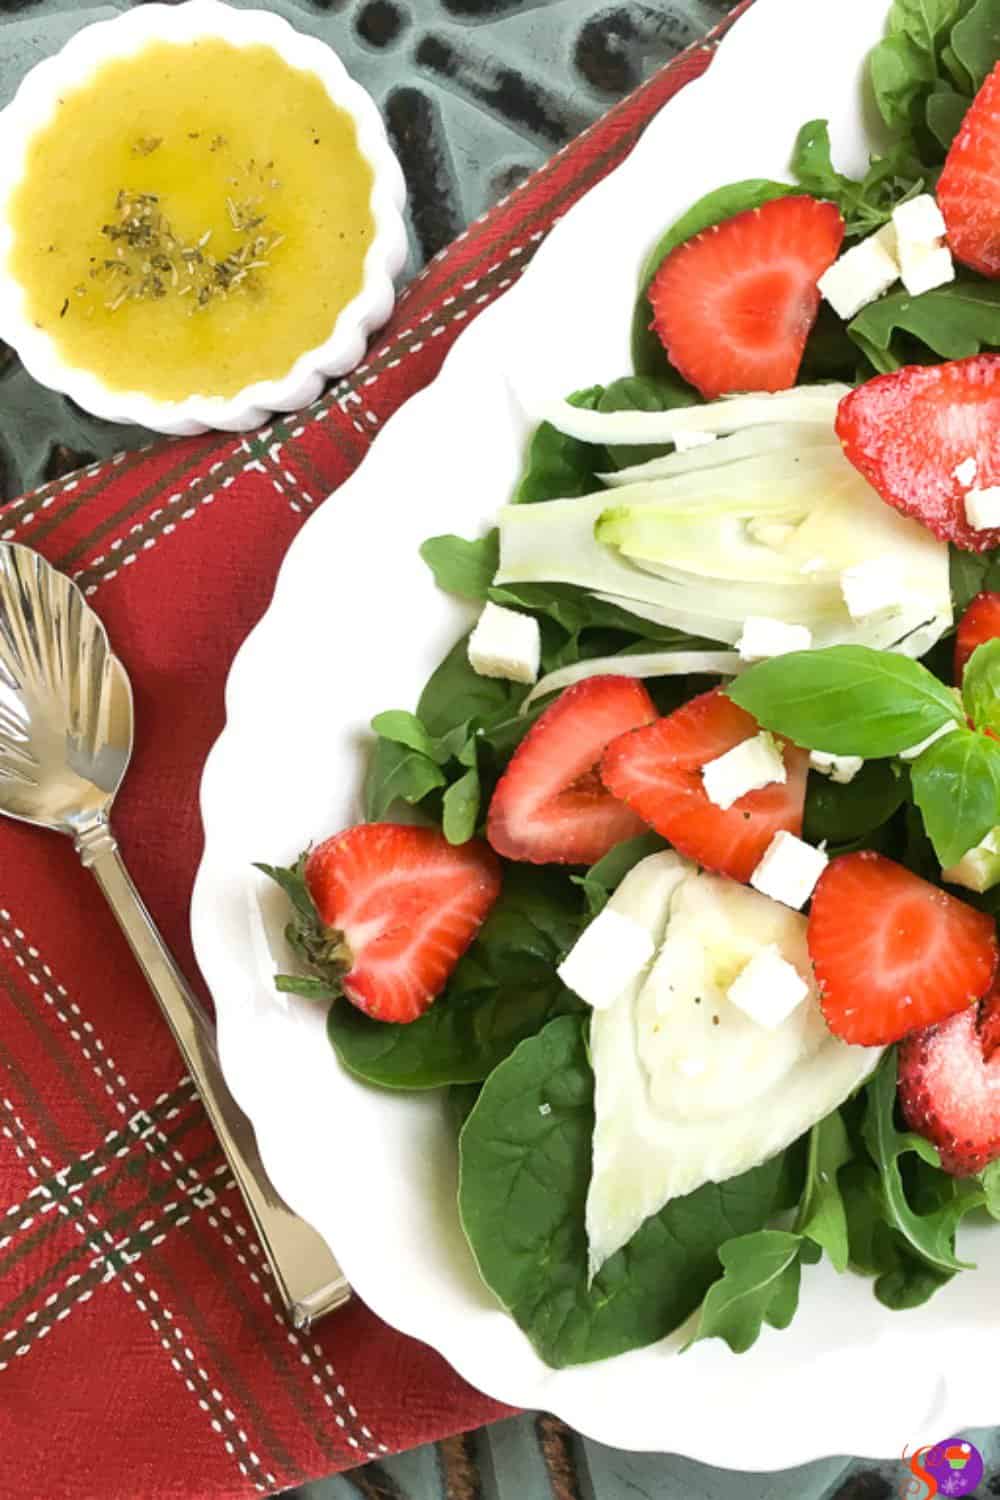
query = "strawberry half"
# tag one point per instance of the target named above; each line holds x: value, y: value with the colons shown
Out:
x: 733, y: 306
x: 988, y: 1023
x: 383, y: 913
x: 908, y: 432
x: 892, y: 953
x: 951, y: 1094
x: 550, y: 806
x: 968, y: 190
x: 657, y: 771
x: 980, y: 623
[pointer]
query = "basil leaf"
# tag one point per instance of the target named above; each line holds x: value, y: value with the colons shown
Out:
x: 760, y: 1281
x: 644, y: 393
x: 981, y: 686
x: 846, y: 700
x: 397, y: 773
x: 525, y: 1169
x: 822, y: 1216
x: 930, y: 1237
x: 463, y: 568
x: 648, y: 354
x: 953, y: 321
x: 460, y: 808
x: 504, y: 989
x: 956, y: 785
x: 558, y: 467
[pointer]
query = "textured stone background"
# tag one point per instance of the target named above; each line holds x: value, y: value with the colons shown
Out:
x: 475, y: 93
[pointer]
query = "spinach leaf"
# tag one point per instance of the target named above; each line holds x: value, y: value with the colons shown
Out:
x: 456, y: 695
x: 929, y: 1237
x: 602, y: 879
x: 460, y: 807
x: 972, y: 573
x: 975, y: 44
x: 841, y: 814
x: 525, y: 1170
x: 822, y: 1216
x: 558, y: 467
x: 463, y: 568
x: 956, y: 785
x: 644, y: 393
x: 952, y: 322
x: 461, y: 1098
x: 989, y: 1181
x: 398, y: 773
x: 847, y: 700
x: 504, y: 989
x: 648, y: 354
x: 759, y: 1283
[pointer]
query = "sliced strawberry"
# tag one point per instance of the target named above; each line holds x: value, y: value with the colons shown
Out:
x: 988, y: 1023
x: 891, y: 952
x: 980, y: 623
x: 968, y: 190
x: 908, y: 432
x: 950, y: 1093
x: 550, y: 807
x: 383, y: 914
x: 733, y: 306
x: 657, y: 771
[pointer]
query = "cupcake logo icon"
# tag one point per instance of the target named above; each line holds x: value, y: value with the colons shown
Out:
x: 954, y: 1467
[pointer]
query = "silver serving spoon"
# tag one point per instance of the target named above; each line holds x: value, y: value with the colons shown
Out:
x: 65, y: 745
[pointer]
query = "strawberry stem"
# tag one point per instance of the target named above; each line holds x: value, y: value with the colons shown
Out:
x: 323, y: 949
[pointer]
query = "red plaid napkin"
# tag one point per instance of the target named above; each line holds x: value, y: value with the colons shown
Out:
x: 142, y: 1346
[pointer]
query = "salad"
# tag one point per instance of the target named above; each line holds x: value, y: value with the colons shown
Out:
x: 694, y: 914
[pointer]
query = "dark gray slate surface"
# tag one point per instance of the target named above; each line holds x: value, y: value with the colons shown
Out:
x: 476, y: 93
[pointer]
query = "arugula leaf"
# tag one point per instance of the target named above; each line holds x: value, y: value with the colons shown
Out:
x: 956, y: 785
x: 981, y: 686
x: 822, y: 1216
x: 930, y: 1237
x: 867, y: 203
x: 602, y: 879
x: 840, y: 814
x: 952, y: 322
x: 463, y: 568
x: 760, y: 1282
x: 648, y: 354
x: 846, y: 700
x: 558, y: 467
x: 644, y: 393
x: 504, y: 989
x: 525, y: 1168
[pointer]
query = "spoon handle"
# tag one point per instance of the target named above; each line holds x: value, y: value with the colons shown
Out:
x: 309, y: 1279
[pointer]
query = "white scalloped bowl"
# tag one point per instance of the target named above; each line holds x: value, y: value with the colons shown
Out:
x: 33, y: 106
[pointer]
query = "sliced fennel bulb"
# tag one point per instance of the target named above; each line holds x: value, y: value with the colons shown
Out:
x: 768, y: 534
x: 726, y: 450
x: 814, y: 405
x: 638, y: 664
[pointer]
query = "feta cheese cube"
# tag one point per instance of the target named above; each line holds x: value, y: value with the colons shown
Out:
x: 857, y: 278
x: 982, y: 507
x: 769, y: 988
x: 931, y: 739
x: 925, y: 267
x: 872, y: 585
x: 747, y: 767
x: 919, y: 220
x: 763, y: 637
x: 684, y: 441
x: 979, y: 868
x: 840, y: 768
x: 966, y: 472
x: 506, y: 643
x: 606, y: 958
x: 789, y: 870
